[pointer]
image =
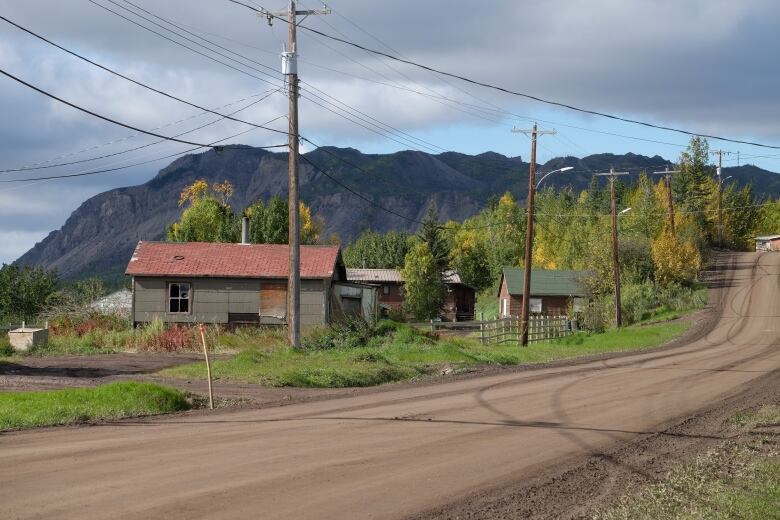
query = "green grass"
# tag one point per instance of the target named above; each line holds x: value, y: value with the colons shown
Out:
x: 769, y: 414
x: 487, y: 304
x: 405, y: 353
x: 79, y: 405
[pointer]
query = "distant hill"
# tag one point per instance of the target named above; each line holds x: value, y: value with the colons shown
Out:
x: 99, y: 236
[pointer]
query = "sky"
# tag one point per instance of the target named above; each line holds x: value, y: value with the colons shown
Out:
x: 702, y: 65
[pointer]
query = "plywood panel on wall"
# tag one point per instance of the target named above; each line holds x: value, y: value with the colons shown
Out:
x: 273, y: 300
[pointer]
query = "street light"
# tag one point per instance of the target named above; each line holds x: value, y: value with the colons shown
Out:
x: 564, y: 169
x: 624, y: 211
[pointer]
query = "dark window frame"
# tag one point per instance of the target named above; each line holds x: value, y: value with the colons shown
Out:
x: 169, y: 298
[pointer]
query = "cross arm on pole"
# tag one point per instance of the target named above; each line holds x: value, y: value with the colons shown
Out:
x: 538, y: 132
x: 284, y: 14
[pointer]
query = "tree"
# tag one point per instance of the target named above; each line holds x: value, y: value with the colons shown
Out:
x: 691, y: 186
x: 378, y: 250
x: 648, y: 210
x: 269, y: 223
x: 769, y: 219
x: 431, y: 233
x: 24, y: 290
x: 276, y: 222
x: 741, y: 216
x: 675, y: 260
x: 484, y: 244
x: 424, y: 287
x: 205, y: 220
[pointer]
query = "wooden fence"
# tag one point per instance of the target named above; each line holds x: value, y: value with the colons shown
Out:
x: 505, y: 330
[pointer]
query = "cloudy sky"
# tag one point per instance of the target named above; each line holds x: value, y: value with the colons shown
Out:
x: 703, y: 65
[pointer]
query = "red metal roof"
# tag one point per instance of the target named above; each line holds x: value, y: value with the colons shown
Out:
x: 201, y: 259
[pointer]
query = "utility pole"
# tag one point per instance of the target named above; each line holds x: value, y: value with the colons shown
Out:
x: 615, y: 257
x: 290, y: 71
x: 720, y: 154
x: 667, y: 173
x: 529, y: 231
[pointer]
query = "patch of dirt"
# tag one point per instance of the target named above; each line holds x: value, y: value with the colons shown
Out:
x: 575, y: 490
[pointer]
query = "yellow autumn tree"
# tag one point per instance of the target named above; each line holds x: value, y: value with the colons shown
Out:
x: 675, y: 260
x: 194, y: 192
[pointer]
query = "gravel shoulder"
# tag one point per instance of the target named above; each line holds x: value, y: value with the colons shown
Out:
x: 580, y: 488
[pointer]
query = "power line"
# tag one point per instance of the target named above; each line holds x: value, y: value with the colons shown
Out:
x: 510, y: 91
x: 190, y: 48
x: 439, y: 96
x: 134, y: 81
x: 232, y: 59
x: 107, y: 170
x: 140, y: 147
x: 108, y: 119
x: 178, y: 26
x: 121, y: 139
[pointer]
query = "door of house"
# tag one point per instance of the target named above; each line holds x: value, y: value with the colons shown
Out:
x: 273, y: 300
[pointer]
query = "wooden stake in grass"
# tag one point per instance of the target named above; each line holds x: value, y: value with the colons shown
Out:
x: 208, y: 364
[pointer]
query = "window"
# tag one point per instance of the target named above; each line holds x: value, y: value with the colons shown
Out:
x: 179, y: 297
x: 579, y: 304
x: 535, y: 305
x: 504, y: 307
x: 385, y: 289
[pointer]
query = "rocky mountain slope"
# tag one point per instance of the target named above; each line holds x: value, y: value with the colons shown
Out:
x: 100, y: 235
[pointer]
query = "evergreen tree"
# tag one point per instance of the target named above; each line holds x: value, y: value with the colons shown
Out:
x: 690, y: 187
x: 432, y: 235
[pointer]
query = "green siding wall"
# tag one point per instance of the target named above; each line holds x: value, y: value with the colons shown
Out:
x: 213, y: 299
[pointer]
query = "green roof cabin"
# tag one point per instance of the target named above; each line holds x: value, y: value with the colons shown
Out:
x: 552, y: 292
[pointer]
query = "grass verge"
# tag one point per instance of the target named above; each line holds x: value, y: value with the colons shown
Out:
x: 80, y: 405
x: 402, y: 352
x: 738, y: 480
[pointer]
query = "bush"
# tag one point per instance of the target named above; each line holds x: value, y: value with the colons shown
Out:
x: 5, y: 347
x: 350, y: 333
x: 638, y: 300
x: 598, y: 314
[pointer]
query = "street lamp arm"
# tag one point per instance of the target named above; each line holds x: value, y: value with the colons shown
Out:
x: 567, y: 168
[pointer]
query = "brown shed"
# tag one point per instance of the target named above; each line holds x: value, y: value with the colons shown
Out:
x: 552, y: 291
x: 458, y: 306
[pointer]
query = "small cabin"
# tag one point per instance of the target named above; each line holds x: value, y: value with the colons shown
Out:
x: 768, y: 243
x: 553, y: 292
x: 197, y: 282
x: 458, y: 305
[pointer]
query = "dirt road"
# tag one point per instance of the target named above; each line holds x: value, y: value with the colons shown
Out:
x: 394, y: 454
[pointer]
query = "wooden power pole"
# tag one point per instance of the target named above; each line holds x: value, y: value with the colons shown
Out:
x: 667, y: 173
x: 720, y: 154
x: 290, y: 71
x: 529, y: 231
x: 615, y: 257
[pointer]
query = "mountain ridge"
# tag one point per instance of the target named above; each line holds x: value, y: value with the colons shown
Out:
x: 99, y: 236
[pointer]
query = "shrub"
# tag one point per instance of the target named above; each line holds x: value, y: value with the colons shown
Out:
x: 349, y: 333
x: 5, y: 347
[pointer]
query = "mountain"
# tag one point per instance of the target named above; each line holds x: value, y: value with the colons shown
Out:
x: 98, y: 238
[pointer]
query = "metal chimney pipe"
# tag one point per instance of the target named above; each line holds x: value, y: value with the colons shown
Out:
x: 245, y: 230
